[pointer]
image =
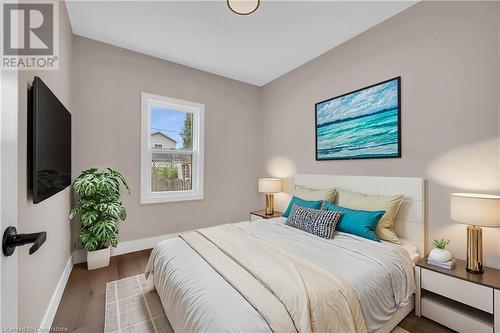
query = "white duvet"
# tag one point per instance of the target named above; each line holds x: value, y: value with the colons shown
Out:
x: 197, y: 299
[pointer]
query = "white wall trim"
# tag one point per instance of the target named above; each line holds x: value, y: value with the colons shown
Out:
x: 80, y: 256
x: 197, y: 151
x: 50, y: 313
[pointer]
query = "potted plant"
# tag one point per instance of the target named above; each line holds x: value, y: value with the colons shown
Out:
x: 439, y: 252
x: 99, y: 208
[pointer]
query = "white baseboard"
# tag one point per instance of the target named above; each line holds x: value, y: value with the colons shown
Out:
x: 80, y: 256
x: 50, y: 313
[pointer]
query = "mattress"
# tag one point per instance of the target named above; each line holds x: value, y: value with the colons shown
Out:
x: 196, y: 298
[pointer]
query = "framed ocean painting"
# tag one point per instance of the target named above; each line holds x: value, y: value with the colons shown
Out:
x: 365, y: 123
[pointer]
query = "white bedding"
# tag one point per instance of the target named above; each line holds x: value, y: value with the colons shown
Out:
x: 407, y: 246
x: 197, y: 299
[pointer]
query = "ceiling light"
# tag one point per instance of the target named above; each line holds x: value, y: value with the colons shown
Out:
x: 243, y: 7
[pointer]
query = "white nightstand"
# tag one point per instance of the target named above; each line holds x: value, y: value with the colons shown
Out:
x: 462, y: 301
x: 261, y: 214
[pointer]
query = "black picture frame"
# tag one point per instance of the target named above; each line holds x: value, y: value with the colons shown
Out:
x: 399, y: 153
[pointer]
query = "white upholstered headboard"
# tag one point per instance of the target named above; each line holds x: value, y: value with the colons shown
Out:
x: 410, y: 220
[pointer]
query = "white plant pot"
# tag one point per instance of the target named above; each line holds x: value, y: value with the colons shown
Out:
x: 98, y: 259
x: 441, y: 255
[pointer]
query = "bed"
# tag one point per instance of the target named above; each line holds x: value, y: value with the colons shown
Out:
x: 369, y: 285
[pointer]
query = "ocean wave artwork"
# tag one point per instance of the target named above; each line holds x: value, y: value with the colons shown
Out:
x: 360, y: 124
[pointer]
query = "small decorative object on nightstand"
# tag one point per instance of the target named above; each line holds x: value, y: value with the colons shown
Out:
x: 261, y: 214
x: 269, y: 186
x: 463, y: 301
x: 476, y: 210
x: 440, y: 256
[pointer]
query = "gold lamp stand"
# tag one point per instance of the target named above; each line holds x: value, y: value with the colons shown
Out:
x: 474, y: 249
x: 269, y: 204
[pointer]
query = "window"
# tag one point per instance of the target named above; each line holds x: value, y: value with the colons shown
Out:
x: 171, y: 149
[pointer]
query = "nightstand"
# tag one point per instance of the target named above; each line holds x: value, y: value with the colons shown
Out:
x: 462, y: 301
x: 261, y: 214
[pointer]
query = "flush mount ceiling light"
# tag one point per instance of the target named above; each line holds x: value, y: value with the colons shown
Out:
x: 243, y: 7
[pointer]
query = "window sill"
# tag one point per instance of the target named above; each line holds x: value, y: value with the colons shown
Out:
x: 155, y: 198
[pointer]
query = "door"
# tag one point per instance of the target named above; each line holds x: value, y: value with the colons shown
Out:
x: 8, y: 191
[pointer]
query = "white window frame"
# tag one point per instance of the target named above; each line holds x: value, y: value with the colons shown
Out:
x: 198, y: 111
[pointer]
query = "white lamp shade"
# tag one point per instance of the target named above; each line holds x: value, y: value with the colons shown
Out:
x: 269, y: 185
x: 475, y: 209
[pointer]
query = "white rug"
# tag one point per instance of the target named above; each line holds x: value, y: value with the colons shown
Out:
x: 133, y: 306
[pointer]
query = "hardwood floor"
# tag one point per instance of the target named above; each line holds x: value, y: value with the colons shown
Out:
x: 415, y: 324
x: 82, y: 306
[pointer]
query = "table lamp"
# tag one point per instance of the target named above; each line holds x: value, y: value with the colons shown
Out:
x: 269, y: 186
x: 475, y: 210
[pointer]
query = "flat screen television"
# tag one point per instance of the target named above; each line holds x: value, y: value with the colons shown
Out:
x: 49, y: 142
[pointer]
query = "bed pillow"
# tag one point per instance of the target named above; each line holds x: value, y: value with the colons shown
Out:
x: 389, y: 203
x: 303, y: 203
x: 314, y: 221
x: 357, y: 222
x: 311, y: 194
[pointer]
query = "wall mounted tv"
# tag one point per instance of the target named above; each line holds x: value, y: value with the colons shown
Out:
x: 49, y: 142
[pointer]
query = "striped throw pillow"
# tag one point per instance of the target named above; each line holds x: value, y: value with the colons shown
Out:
x: 314, y: 221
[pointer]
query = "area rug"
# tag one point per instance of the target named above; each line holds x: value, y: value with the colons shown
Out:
x: 133, y: 306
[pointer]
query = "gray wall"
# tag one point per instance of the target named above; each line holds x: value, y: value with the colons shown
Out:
x: 107, y: 83
x: 447, y: 55
x: 39, y: 273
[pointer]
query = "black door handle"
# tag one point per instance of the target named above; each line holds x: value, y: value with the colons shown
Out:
x: 11, y: 239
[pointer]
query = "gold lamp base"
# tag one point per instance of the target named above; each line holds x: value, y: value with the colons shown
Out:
x: 269, y: 204
x: 474, y: 249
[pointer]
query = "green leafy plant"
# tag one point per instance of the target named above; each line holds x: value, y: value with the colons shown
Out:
x: 440, y: 243
x: 169, y: 172
x: 187, y: 131
x: 99, y: 207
